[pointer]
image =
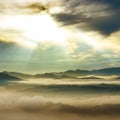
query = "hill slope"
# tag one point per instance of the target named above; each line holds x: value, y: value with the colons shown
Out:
x: 70, y: 74
x: 7, y: 77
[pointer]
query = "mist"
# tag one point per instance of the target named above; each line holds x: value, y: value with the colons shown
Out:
x: 25, y: 100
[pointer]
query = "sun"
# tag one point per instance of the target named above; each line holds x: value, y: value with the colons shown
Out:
x: 43, y: 28
x: 34, y: 29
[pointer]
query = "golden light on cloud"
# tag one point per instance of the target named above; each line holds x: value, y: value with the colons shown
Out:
x: 30, y: 23
x: 55, y: 10
x: 33, y: 29
x: 29, y: 44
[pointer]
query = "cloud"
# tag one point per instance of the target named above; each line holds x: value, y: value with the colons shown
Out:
x: 9, y: 35
x: 111, y: 43
x: 106, y: 25
x: 36, y: 105
x: 95, y: 15
x: 70, y: 19
x: 96, y: 22
x: 16, y: 102
x: 34, y: 8
x: 91, y: 15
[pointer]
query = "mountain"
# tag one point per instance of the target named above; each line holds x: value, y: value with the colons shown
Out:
x: 70, y: 74
x: 46, y: 75
x: 7, y: 77
x: 90, y: 77
x: 54, y: 76
x: 105, y: 71
x: 77, y: 72
x: 19, y: 75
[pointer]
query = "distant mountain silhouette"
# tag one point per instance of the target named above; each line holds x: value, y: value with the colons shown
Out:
x: 90, y: 77
x: 4, y: 77
x: 19, y: 75
x: 105, y: 71
x: 77, y: 72
x: 55, y: 76
x: 46, y: 75
x: 70, y: 74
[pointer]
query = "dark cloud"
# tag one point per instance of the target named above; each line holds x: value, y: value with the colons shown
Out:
x: 35, y: 8
x: 6, y: 47
x: 92, y: 15
x: 70, y: 19
x: 102, y: 16
x: 115, y: 4
x: 106, y: 25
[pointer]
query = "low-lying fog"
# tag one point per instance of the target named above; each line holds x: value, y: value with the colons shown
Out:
x: 48, y: 81
x: 60, y: 99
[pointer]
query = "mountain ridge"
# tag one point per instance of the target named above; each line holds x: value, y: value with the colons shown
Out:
x: 69, y: 74
x: 103, y: 71
x: 6, y: 77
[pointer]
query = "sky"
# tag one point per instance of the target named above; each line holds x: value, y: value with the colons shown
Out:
x: 39, y: 36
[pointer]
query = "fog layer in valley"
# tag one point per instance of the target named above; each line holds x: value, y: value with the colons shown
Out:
x: 72, y: 99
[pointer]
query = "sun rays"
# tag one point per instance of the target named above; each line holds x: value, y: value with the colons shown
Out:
x: 34, y: 29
